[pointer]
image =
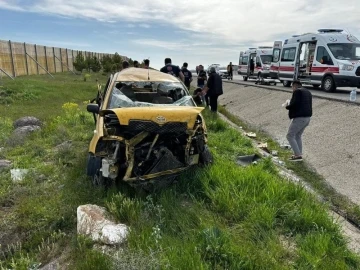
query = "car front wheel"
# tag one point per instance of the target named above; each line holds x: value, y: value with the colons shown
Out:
x: 328, y: 84
x: 206, y: 157
x: 286, y: 83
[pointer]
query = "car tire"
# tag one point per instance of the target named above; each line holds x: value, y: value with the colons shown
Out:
x: 245, y: 78
x: 206, y: 157
x: 328, y: 84
x: 93, y: 164
x: 94, y: 171
x: 286, y: 83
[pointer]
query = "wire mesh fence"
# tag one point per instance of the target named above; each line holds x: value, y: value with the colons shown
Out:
x: 18, y: 59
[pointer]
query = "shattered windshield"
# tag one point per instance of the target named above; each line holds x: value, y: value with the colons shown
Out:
x: 147, y: 94
x: 266, y: 59
x: 345, y: 51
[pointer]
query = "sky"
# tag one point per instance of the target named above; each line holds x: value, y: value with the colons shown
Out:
x: 198, y: 32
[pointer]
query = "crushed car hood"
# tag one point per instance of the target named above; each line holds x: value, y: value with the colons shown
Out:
x: 159, y: 115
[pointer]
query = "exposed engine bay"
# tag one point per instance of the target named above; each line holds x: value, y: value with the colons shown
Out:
x: 144, y: 150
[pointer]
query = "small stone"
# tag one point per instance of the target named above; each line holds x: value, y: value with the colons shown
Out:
x: 27, y: 121
x: 274, y: 153
x: 24, y: 131
x: 92, y: 221
x: 17, y: 175
x: 64, y: 145
x: 285, y: 146
x: 4, y: 164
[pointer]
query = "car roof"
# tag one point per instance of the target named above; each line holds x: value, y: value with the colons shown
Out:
x: 142, y: 74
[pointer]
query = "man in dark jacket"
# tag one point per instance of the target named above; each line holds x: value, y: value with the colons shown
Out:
x: 230, y: 71
x: 300, y: 111
x: 187, y: 75
x: 171, y: 69
x: 213, y: 88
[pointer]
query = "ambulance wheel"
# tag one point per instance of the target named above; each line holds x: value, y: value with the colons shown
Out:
x: 328, y: 84
x: 286, y: 83
x: 245, y: 78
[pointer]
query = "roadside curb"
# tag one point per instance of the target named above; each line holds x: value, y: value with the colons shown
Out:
x: 290, y: 91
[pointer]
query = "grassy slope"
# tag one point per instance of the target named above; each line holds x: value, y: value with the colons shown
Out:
x: 42, y: 96
x: 219, y: 217
x: 338, y: 202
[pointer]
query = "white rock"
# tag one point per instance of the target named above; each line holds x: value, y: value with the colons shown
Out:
x: 27, y: 121
x: 92, y: 222
x: 4, y: 164
x: 114, y: 234
x: 18, y: 175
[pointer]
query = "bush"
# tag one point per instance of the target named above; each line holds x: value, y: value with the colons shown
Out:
x: 124, y: 209
x: 79, y: 62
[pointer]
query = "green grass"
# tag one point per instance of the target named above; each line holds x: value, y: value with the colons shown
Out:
x: 29, y: 95
x: 305, y: 171
x: 218, y: 217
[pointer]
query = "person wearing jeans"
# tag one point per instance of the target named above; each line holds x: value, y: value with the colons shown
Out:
x: 300, y: 112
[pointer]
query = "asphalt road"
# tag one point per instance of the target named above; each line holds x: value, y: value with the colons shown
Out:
x: 331, y: 142
x: 341, y: 94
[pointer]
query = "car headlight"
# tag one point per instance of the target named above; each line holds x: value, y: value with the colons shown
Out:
x: 346, y: 67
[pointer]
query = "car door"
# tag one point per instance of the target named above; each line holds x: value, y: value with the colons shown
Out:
x: 274, y: 66
x: 244, y: 64
x: 287, y: 63
x: 322, y: 64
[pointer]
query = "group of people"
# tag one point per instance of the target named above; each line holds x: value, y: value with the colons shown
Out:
x: 126, y: 64
x: 208, y: 88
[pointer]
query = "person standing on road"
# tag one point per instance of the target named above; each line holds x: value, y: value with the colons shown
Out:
x: 202, y: 78
x: 300, y: 112
x: 187, y: 75
x: 213, y: 88
x: 230, y: 71
x: 172, y: 69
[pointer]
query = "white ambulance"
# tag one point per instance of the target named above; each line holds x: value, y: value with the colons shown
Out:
x: 330, y: 59
x: 255, y: 62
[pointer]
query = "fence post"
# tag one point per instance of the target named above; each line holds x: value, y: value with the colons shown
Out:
x: 67, y: 59
x: 54, y: 59
x: 26, y: 61
x: 36, y: 58
x: 72, y: 59
x: 62, y: 68
x: 12, y: 59
x: 46, y: 61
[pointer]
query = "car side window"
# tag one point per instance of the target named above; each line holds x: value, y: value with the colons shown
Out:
x: 244, y: 60
x: 288, y: 55
x: 258, y: 62
x: 323, y: 56
x: 276, y: 55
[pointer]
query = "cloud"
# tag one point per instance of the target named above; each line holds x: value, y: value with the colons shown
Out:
x: 230, y: 21
x: 222, y: 27
x: 144, y: 25
x: 57, y: 43
x: 10, y: 5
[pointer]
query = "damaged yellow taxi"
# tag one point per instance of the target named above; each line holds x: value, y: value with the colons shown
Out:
x: 148, y: 129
